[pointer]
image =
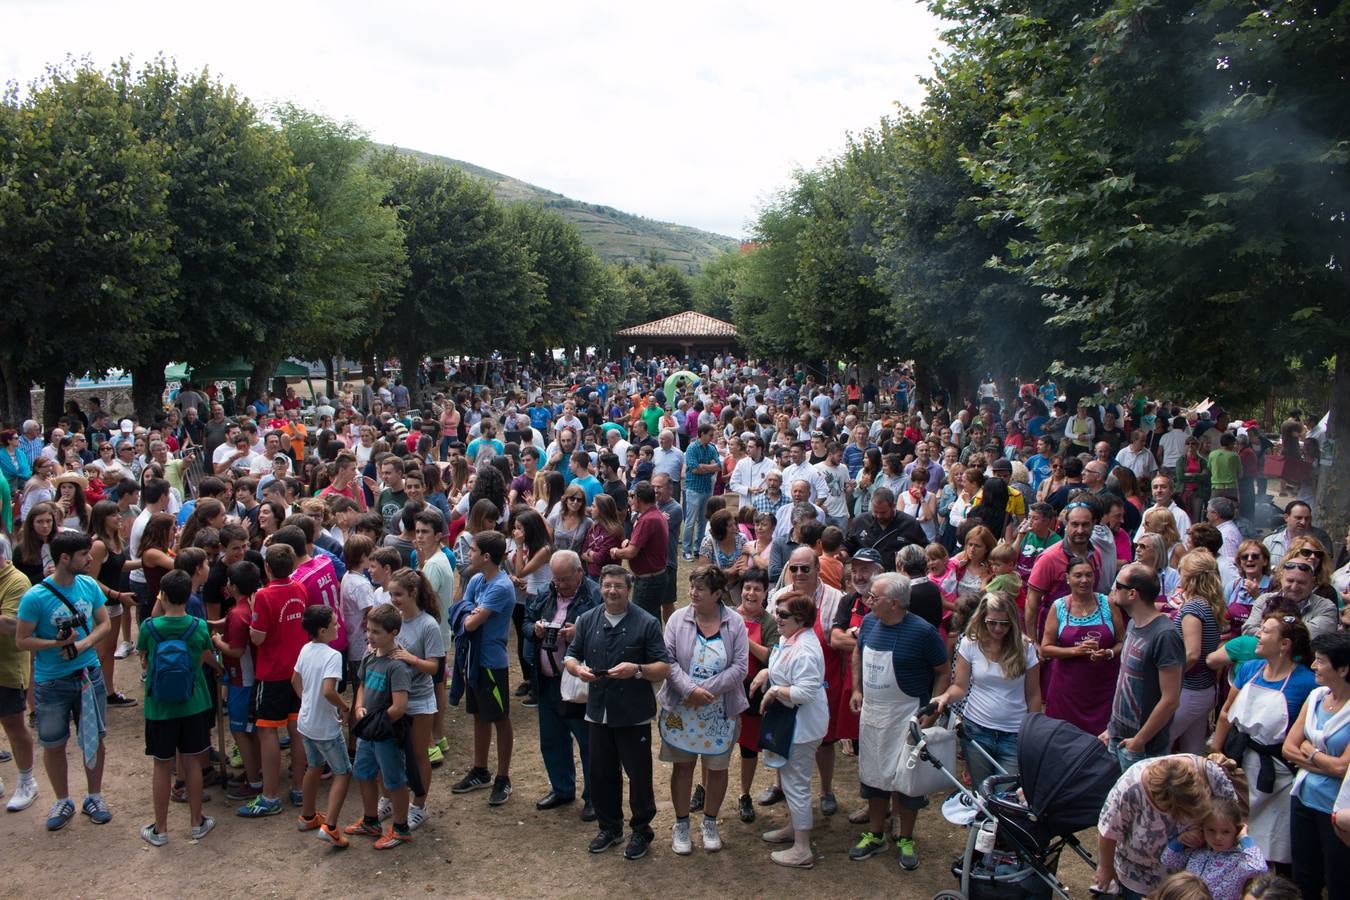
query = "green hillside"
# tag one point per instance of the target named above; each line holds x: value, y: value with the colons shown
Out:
x: 616, y: 236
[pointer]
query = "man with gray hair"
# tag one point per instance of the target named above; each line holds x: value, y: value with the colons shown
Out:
x: 885, y: 529
x: 1220, y: 512
x: 899, y: 662
x: 550, y: 627
x: 30, y: 441
x: 13, y: 680
x: 668, y: 459
x: 788, y: 516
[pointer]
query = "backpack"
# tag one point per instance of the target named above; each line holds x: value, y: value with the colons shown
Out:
x: 174, y: 673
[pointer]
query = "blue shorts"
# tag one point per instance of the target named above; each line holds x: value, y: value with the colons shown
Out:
x: 237, y: 699
x: 58, y: 701
x: 383, y: 758
x: 332, y: 751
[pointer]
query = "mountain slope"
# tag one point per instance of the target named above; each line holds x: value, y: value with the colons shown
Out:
x: 616, y: 236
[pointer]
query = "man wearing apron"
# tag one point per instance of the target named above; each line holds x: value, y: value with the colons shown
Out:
x: 899, y: 662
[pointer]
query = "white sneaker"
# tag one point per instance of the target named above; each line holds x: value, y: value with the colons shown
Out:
x: 679, y: 839
x: 416, y: 816
x: 2, y: 787
x: 24, y: 794
x: 712, y: 839
x: 124, y: 649
x: 385, y: 808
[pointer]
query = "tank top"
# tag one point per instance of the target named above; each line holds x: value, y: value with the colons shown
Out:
x: 110, y: 573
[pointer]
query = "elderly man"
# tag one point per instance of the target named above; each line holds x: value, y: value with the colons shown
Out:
x: 30, y: 442
x: 1162, y: 499
x: 898, y: 663
x: 550, y: 627
x: 1136, y: 457
x: 885, y: 529
x: 1297, y: 524
x: 1297, y: 581
x: 800, y: 468
x: 786, y: 516
x: 1220, y: 512
x: 615, y: 648
x: 772, y: 498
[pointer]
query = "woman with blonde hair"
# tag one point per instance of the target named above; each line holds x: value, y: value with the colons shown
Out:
x: 1155, y: 801
x: 1308, y: 549
x: 1201, y: 616
x: 1150, y: 549
x: 569, y: 522
x: 995, y: 675
x: 1160, y: 521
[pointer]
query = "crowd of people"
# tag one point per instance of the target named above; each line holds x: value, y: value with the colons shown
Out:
x: 331, y: 578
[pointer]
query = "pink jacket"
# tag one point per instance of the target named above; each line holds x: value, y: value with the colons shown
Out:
x: 681, y: 635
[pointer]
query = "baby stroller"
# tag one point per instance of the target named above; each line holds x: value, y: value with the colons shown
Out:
x: 1023, y: 822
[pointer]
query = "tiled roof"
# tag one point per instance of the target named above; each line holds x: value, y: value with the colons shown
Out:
x: 685, y: 324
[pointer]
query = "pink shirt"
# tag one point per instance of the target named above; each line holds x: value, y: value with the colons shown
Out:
x: 320, y: 582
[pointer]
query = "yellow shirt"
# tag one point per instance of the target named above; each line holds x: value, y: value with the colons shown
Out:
x: 13, y: 661
x: 1017, y: 504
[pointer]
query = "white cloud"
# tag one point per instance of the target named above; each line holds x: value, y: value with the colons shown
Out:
x: 692, y: 113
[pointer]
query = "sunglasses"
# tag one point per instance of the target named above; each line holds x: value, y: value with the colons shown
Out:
x: 1250, y: 557
x: 1121, y: 587
x: 1302, y: 567
x: 782, y: 615
x: 1308, y: 551
x: 799, y: 569
x: 998, y: 623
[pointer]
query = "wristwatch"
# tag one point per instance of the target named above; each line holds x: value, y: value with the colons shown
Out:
x: 639, y: 670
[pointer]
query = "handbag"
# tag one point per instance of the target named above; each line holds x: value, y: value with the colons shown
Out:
x: 573, y: 689
x: 777, y: 728
x: 918, y: 777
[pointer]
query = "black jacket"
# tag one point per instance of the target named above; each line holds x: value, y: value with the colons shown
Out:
x: 903, y: 530
x: 544, y: 605
x: 637, y: 638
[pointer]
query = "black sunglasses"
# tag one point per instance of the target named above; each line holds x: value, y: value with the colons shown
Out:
x: 799, y: 568
x: 1302, y: 567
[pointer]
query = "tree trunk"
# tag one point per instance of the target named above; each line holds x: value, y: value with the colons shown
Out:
x: 922, y: 378
x: 260, y: 377
x: 1333, y: 489
x: 53, y: 399
x: 330, y: 377
x: 147, y: 387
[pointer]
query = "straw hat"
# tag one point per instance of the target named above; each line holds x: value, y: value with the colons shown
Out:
x: 71, y: 478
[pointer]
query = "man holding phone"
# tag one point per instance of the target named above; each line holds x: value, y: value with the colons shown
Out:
x: 617, y: 647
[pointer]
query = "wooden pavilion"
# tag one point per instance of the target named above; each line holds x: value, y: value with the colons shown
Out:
x: 683, y: 334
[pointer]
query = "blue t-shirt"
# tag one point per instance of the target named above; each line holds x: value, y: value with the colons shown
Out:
x: 41, y: 607
x: 1301, y: 682
x: 499, y: 596
x: 591, y: 485
x: 914, y: 645
x: 1319, y: 791
x: 540, y: 417
x: 474, y: 445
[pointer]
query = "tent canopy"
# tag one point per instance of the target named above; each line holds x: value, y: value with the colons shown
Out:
x: 234, y: 370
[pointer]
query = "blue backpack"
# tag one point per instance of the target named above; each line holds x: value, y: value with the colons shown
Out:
x: 174, y: 673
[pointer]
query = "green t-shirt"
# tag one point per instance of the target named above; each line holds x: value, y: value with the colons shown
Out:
x: 1240, y: 649
x: 652, y: 416
x: 171, y: 628
x: 1224, y: 467
x: 1035, y: 543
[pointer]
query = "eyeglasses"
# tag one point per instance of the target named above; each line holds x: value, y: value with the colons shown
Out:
x: 997, y: 623
x: 1309, y: 551
x: 1250, y: 557
x: 574, y: 499
x: 800, y: 569
x: 1302, y: 567
x: 1121, y: 587
x: 782, y: 615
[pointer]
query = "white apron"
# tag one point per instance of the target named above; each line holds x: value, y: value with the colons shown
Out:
x: 886, y: 711
x: 1264, y: 715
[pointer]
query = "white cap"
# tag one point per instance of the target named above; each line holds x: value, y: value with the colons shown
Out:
x: 127, y: 426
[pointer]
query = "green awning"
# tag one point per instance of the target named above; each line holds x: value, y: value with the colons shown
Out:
x: 234, y: 370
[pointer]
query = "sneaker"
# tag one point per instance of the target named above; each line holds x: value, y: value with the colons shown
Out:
x: 285, y: 739
x: 531, y: 701
x: 236, y: 758
x: 436, y: 755
x: 770, y: 796
x: 333, y: 836
x: 385, y: 808
x: 179, y: 794
x: 696, y: 799
x: 679, y: 838
x: 501, y: 790
x: 603, y: 840
x: 153, y: 837
x: 869, y: 845
x: 259, y: 808
x: 62, y: 812
x: 242, y: 791
x: 444, y: 744
x: 364, y: 828
x: 828, y: 805
x: 202, y: 830
x: 475, y: 780
x: 297, y: 797
x: 124, y: 649
x: 909, y: 857
x: 522, y: 689
x: 119, y: 699
x: 25, y: 792
x: 391, y: 838
x: 712, y: 838
x: 416, y: 816
x: 311, y: 824
x: 96, y: 808
x: 638, y: 845
x: 6, y: 756
x: 746, y: 808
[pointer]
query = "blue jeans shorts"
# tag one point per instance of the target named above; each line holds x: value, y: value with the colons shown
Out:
x: 58, y: 702
x: 383, y: 758
x: 332, y: 751
x: 237, y: 700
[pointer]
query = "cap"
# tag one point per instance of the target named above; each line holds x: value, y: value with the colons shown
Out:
x: 867, y: 555
x: 127, y: 426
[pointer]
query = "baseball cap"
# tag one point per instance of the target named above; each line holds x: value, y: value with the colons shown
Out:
x: 867, y: 555
x: 127, y: 426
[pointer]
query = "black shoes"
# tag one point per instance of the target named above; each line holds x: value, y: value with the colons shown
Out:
x: 475, y: 780
x: 552, y: 800
x: 746, y: 808
x: 603, y: 840
x: 696, y: 801
x: 638, y: 845
x: 588, y: 813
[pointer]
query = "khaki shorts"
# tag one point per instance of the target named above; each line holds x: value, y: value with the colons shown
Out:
x: 719, y: 763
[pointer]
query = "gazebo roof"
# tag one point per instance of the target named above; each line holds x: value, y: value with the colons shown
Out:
x: 688, y: 324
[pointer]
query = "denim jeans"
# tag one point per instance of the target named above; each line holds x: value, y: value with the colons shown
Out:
x: 1001, y: 745
x: 1126, y: 758
x: 555, y: 742
x: 58, y: 703
x: 695, y: 519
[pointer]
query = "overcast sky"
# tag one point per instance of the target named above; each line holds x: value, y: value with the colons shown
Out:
x: 693, y: 112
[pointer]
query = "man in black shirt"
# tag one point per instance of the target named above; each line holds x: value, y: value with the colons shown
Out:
x: 924, y: 599
x: 885, y: 529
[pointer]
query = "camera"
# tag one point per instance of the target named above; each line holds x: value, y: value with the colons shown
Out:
x: 551, y: 637
x: 65, y: 627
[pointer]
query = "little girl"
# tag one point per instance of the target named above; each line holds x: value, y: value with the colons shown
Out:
x: 1229, y: 857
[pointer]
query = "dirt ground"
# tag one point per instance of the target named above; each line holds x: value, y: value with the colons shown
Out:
x: 466, y: 848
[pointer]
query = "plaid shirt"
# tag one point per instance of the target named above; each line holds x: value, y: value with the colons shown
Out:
x: 762, y: 502
x: 699, y: 454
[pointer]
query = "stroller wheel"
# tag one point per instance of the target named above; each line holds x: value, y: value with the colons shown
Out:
x: 949, y: 895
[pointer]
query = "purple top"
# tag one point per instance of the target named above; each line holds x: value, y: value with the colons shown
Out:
x: 681, y: 634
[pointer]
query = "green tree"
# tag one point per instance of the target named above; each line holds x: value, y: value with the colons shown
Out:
x: 83, y: 232
x: 575, y: 283
x: 243, y: 228
x: 715, y: 284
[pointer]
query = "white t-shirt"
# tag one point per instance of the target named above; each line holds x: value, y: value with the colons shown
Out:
x: 994, y: 701
x: 318, y: 720
x: 358, y: 595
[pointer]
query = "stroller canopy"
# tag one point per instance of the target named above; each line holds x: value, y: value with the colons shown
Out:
x: 1066, y: 773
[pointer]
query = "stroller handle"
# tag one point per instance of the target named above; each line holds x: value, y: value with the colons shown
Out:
x: 915, y: 732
